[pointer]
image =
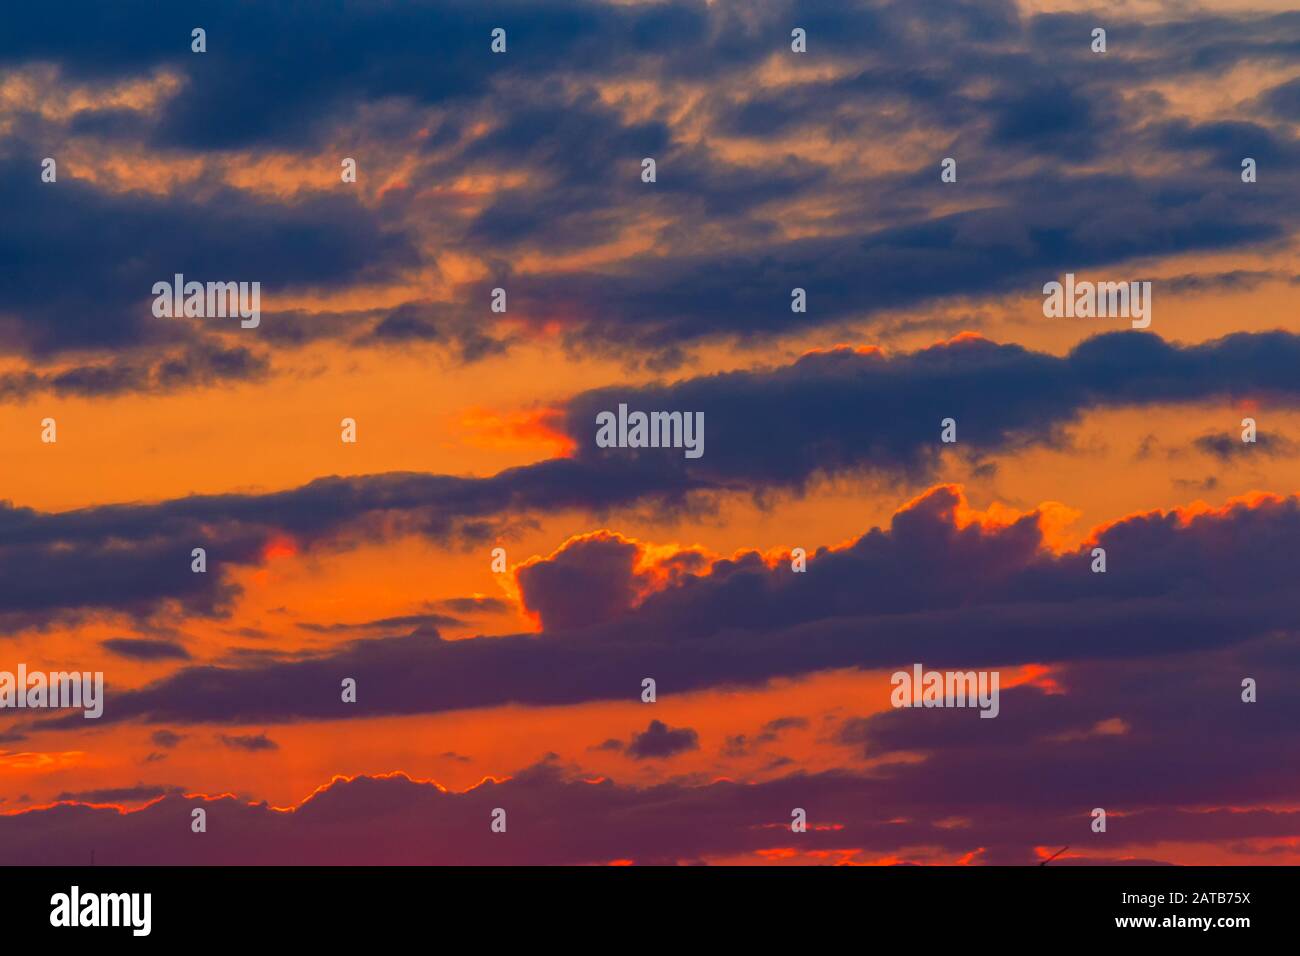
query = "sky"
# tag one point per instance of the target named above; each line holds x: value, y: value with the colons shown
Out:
x: 497, y: 585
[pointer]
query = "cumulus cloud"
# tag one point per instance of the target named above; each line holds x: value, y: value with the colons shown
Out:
x: 835, y: 412
x: 659, y: 740
x: 944, y: 584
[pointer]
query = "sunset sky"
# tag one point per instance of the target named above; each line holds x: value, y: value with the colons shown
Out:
x: 475, y: 430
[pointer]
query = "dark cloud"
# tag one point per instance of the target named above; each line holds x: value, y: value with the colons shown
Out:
x: 1284, y: 100
x: 1104, y: 740
x: 1013, y: 90
x: 262, y: 81
x: 1230, y: 141
x: 768, y: 429
x: 142, y: 649
x: 736, y: 745
x: 931, y: 587
x: 773, y: 728
x: 1232, y: 448
x: 198, y: 365
x: 1050, y: 116
x: 121, y: 795
x: 400, y: 622
x: 476, y: 604
x: 659, y: 740
x: 890, y: 250
x: 1011, y: 249
x: 997, y: 801
x: 70, y: 288
x: 253, y: 743
x: 591, y: 580
x: 841, y: 410
x: 404, y: 324
x: 166, y: 738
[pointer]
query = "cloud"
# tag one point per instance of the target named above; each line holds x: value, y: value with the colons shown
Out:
x: 943, y: 584
x: 105, y: 301
x: 198, y: 365
x: 120, y: 795
x: 999, y: 803
x: 773, y: 728
x: 659, y: 740
x: 402, y: 621
x: 595, y: 578
x: 767, y: 429
x: 166, y: 738
x: 252, y: 743
x: 521, y: 171
x: 1284, y: 100
x: 846, y: 409
x: 729, y: 215
x: 1232, y: 448
x: 141, y: 649
x: 474, y: 604
x: 589, y: 580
